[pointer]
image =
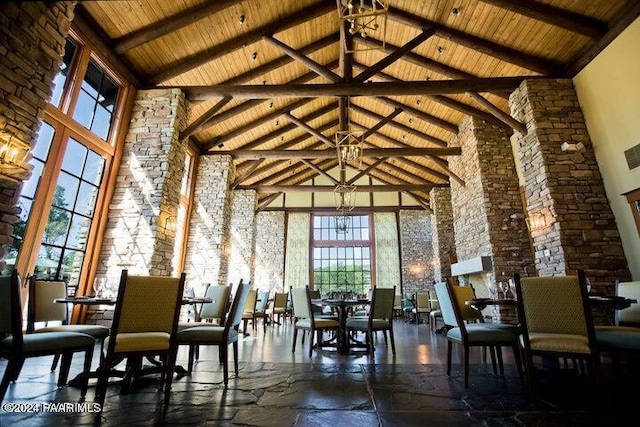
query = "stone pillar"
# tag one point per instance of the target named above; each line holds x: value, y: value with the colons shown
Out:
x: 488, y: 212
x: 208, y: 248
x: 243, y: 234
x: 443, y: 240
x: 145, y: 201
x: 31, y: 48
x: 270, y: 244
x: 416, y: 251
x: 565, y: 187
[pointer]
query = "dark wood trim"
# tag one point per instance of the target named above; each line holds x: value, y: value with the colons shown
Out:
x: 330, y: 188
x: 314, y: 66
x: 326, y: 154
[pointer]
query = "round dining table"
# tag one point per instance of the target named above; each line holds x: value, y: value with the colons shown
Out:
x: 342, y: 306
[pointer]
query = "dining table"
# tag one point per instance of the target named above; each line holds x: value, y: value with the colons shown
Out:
x: 345, y: 344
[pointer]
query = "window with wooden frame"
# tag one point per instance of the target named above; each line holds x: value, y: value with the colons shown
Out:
x: 184, y: 211
x: 65, y: 199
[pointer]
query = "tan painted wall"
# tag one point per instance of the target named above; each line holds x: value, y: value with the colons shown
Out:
x: 609, y: 93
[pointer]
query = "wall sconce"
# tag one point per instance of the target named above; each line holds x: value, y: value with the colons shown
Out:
x: 12, y: 150
x: 568, y: 146
x: 536, y: 222
x: 170, y: 224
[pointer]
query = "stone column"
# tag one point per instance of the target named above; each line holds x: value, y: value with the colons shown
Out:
x: 208, y: 248
x: 416, y: 251
x: 270, y: 244
x: 488, y: 212
x: 243, y: 235
x: 443, y: 240
x: 31, y: 49
x: 565, y: 187
x: 145, y: 201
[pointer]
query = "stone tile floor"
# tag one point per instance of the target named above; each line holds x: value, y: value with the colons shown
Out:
x: 278, y: 388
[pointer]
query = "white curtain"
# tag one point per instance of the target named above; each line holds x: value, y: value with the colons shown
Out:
x: 387, y: 258
x: 296, y: 270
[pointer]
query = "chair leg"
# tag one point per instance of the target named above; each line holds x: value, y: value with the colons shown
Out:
x: 311, y: 337
x: 465, y: 355
x: 11, y: 372
x: 295, y: 337
x: 518, y: 359
x: 393, y: 341
x: 492, y: 353
x: 449, y: 350
x: 235, y: 358
x: 64, y: 368
x: 88, y: 357
x: 500, y: 362
x: 192, y: 350
x: 170, y: 363
x: 223, y: 350
x: 54, y: 364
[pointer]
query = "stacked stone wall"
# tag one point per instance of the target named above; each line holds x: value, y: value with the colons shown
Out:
x: 243, y: 235
x: 416, y: 251
x: 270, y: 243
x: 443, y: 236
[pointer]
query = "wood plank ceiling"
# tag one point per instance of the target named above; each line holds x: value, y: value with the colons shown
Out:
x: 270, y: 81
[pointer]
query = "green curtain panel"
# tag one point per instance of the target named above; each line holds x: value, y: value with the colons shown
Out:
x: 296, y: 270
x: 387, y: 259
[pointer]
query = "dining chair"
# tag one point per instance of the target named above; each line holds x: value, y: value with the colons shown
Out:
x: 397, y: 305
x: 41, y: 308
x: 15, y: 346
x: 306, y: 319
x: 556, y: 322
x: 279, y: 307
x: 421, y: 307
x: 434, y: 310
x: 222, y: 336
x: 249, y: 310
x: 260, y: 312
x: 145, y: 323
x: 621, y: 341
x: 380, y: 318
x: 479, y: 334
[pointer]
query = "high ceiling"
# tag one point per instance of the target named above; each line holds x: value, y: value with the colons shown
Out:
x: 265, y: 76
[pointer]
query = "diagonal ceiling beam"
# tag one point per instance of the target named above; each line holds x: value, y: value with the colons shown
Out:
x: 448, y: 126
x: 397, y: 54
x: 403, y: 128
x: 169, y: 25
x: 562, y: 18
x: 381, y: 123
x: 487, y: 47
x: 432, y: 87
x: 366, y: 170
x: 310, y: 130
x: 304, y: 60
x: 320, y: 171
x: 204, y: 118
x: 319, y: 8
x: 240, y: 178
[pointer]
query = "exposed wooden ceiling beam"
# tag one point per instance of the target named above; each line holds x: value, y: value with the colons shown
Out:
x: 501, y: 115
x: 382, y: 122
x: 393, y: 57
x: 185, y: 64
x: 487, y: 47
x: 330, y: 188
x: 314, y: 66
x: 320, y: 171
x: 204, y: 118
x: 419, y: 114
x: 446, y: 101
x: 240, y: 178
x: 324, y: 154
x: 170, y: 24
x: 310, y: 130
x: 401, y: 127
x: 555, y: 16
x: 433, y: 87
x: 366, y: 170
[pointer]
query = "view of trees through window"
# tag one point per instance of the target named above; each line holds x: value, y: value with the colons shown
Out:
x: 341, y: 261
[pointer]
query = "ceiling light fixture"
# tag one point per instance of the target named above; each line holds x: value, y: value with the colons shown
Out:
x: 367, y: 18
x: 349, y: 146
x: 345, y: 196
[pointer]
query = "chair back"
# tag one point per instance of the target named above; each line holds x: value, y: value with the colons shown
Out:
x: 446, y: 305
x: 382, y: 301
x: 462, y: 294
x: 11, y: 308
x: 422, y: 301
x: 216, y: 309
x: 263, y: 300
x: 553, y: 305
x: 280, y: 300
x: 630, y: 316
x: 41, y: 307
x: 147, y: 304
x: 239, y: 302
x: 301, y: 303
x: 250, y: 304
x: 433, y: 301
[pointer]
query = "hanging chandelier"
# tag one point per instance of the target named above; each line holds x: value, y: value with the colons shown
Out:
x: 349, y: 146
x: 367, y: 18
x: 345, y: 196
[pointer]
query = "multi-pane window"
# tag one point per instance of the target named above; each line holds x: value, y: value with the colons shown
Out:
x: 63, y: 195
x: 342, y: 256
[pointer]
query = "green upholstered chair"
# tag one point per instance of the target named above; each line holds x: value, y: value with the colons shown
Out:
x: 556, y: 322
x: 478, y: 334
x: 421, y: 308
x: 41, y: 308
x: 145, y: 324
x: 260, y: 312
x: 16, y: 346
x: 380, y: 318
x: 307, y: 320
x: 211, y: 313
x: 435, y: 313
x: 222, y: 336
x: 279, y: 307
x: 249, y: 310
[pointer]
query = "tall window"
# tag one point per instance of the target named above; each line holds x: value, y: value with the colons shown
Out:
x: 342, y: 261
x: 65, y: 192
